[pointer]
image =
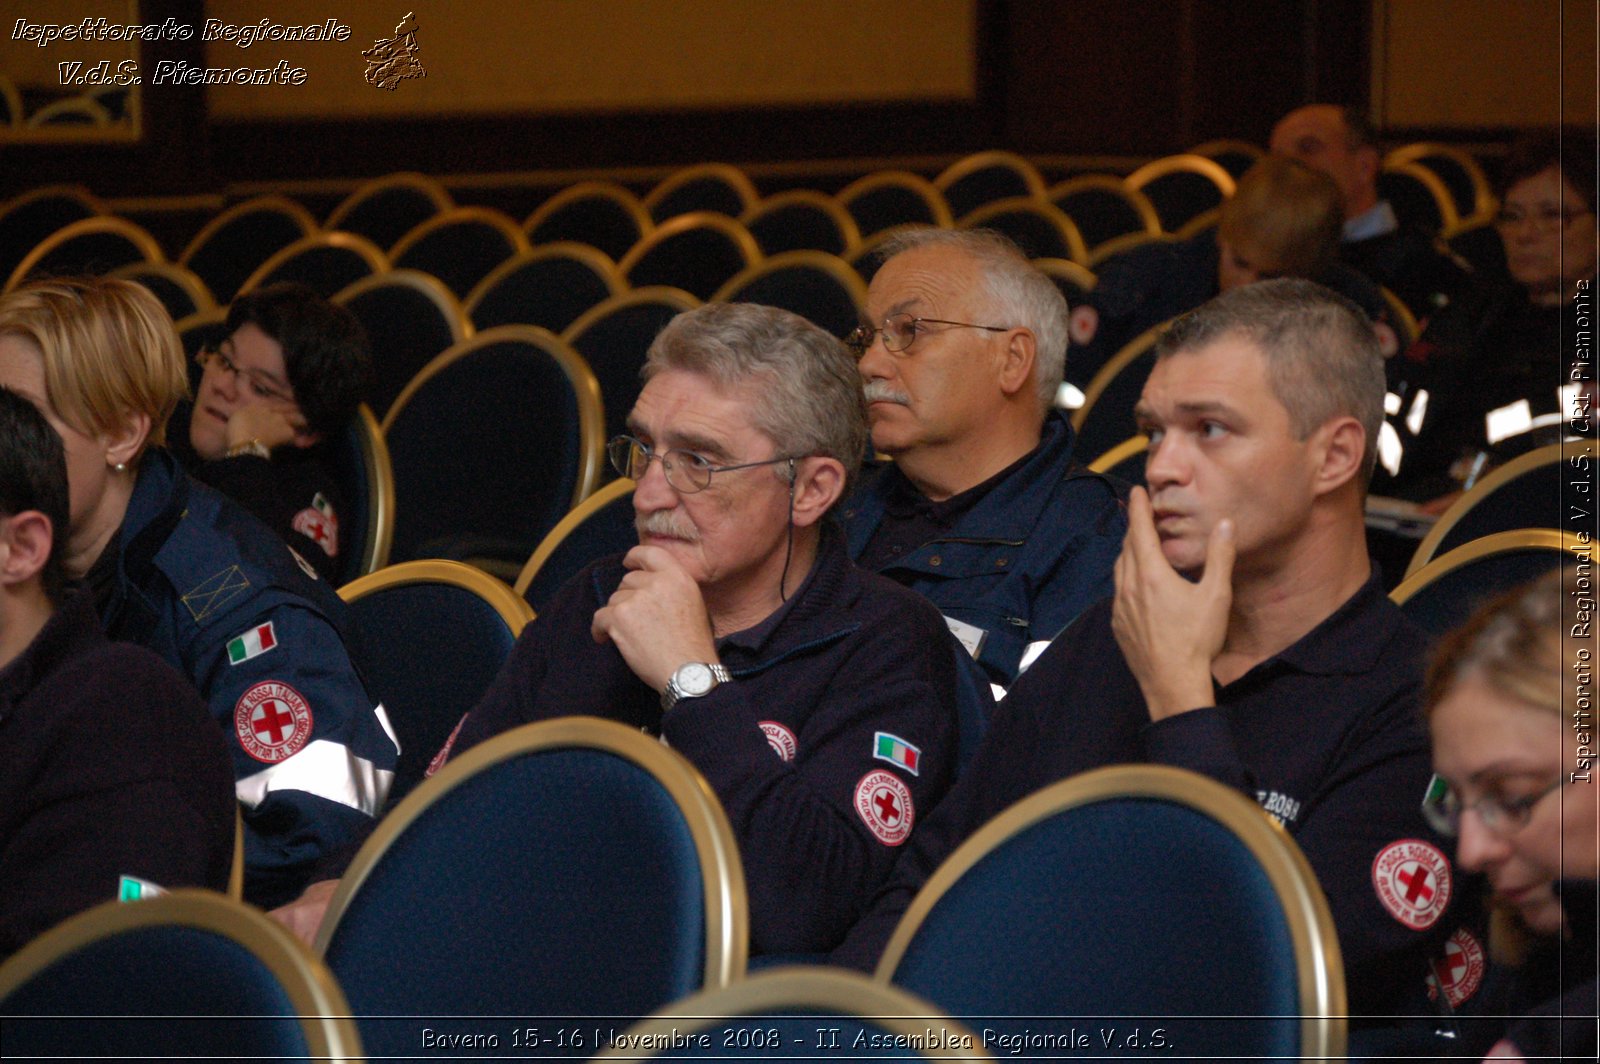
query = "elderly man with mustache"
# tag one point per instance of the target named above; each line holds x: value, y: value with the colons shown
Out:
x: 819, y: 701
x: 985, y: 510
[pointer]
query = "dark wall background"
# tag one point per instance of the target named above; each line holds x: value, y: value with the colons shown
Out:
x: 1085, y: 79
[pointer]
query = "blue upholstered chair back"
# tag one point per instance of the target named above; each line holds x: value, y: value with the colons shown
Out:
x: 1445, y: 592
x: 411, y: 318
x: 795, y: 1012
x: 1135, y: 896
x: 813, y: 284
x: 190, y: 975
x: 433, y: 634
x: 541, y: 874
x: 600, y: 525
x: 491, y: 444
x: 360, y: 461
x: 1526, y: 492
x: 614, y: 336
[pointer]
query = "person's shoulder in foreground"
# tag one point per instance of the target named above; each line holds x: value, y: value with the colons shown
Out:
x: 1247, y: 639
x: 112, y: 777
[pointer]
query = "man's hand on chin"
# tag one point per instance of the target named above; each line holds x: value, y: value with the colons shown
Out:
x: 656, y: 617
x: 1169, y: 629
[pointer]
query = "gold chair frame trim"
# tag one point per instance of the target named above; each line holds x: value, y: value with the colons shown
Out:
x: 726, y: 905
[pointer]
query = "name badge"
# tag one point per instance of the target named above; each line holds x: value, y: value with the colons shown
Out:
x: 968, y: 635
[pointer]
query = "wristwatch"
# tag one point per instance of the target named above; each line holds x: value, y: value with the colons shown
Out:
x: 692, y: 680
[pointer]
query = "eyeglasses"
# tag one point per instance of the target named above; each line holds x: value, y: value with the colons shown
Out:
x: 1442, y: 809
x: 1544, y: 220
x: 258, y: 385
x: 900, y: 331
x: 686, y: 471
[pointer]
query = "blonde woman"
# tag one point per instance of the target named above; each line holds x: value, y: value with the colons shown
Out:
x: 176, y: 567
x: 1511, y: 708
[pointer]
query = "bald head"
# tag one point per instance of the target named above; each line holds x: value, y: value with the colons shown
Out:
x: 1337, y: 142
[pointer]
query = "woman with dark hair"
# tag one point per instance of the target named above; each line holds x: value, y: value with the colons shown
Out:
x: 1492, y: 364
x: 1510, y: 705
x: 277, y: 391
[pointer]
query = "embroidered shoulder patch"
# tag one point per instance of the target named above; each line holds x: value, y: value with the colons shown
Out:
x: 215, y: 592
x: 1412, y: 880
x: 781, y: 739
x: 883, y: 802
x: 896, y: 751
x: 1459, y: 972
x: 273, y: 722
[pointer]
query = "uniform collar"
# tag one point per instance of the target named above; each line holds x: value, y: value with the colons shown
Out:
x: 1349, y: 641
x: 1376, y: 220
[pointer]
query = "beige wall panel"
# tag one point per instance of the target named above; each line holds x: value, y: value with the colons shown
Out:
x: 1465, y: 63
x: 555, y: 56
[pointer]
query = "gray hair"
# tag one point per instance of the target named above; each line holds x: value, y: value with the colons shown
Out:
x: 1322, y: 354
x: 809, y: 399
x: 1018, y: 293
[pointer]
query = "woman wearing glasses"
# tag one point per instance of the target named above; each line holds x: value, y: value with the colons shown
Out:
x: 1511, y: 699
x: 285, y: 381
x: 1494, y: 360
x: 176, y: 567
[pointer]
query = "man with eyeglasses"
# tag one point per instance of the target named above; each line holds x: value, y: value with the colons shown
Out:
x: 1249, y: 638
x: 985, y: 509
x: 1416, y: 266
x: 285, y: 380
x: 819, y: 701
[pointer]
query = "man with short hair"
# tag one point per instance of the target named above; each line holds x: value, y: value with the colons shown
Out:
x: 818, y: 700
x: 1339, y: 141
x: 984, y: 510
x: 113, y: 780
x: 1248, y: 638
x: 276, y: 394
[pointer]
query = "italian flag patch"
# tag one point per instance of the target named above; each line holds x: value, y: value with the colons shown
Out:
x: 896, y: 751
x: 252, y: 644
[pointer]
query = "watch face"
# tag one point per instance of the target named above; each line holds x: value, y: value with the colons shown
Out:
x: 694, y: 679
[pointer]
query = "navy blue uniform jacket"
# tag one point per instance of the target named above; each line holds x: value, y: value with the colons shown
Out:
x: 1034, y: 552
x: 219, y: 597
x: 851, y: 655
x: 1326, y: 736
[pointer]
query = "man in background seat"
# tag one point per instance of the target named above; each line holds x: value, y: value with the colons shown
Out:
x: 985, y: 510
x: 1412, y: 264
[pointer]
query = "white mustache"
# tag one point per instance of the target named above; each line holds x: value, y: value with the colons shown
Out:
x: 666, y: 523
x: 881, y: 392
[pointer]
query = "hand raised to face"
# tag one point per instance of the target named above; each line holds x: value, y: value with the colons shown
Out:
x: 656, y: 618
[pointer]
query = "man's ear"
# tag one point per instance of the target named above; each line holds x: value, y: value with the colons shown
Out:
x: 1339, y: 447
x: 818, y: 483
x: 1016, y: 366
x: 1370, y: 161
x: 125, y: 443
x: 25, y: 542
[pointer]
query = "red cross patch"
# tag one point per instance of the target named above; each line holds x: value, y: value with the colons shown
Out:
x: 1082, y: 324
x: 273, y: 722
x: 884, y: 804
x: 321, y: 528
x: 1460, y: 971
x: 781, y: 739
x: 1412, y: 880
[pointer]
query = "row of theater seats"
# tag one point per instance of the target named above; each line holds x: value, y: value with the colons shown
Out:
x: 409, y: 220
x: 576, y: 875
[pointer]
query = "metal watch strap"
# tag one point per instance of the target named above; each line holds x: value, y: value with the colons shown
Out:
x: 672, y: 695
